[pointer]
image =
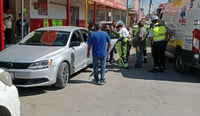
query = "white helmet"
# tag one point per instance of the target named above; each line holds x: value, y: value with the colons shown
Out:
x: 120, y: 23
x: 154, y: 18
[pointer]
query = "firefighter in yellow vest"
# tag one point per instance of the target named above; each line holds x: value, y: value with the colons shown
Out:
x: 157, y: 36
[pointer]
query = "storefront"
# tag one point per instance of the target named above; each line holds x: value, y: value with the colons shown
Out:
x: 44, y: 13
x: 107, y: 10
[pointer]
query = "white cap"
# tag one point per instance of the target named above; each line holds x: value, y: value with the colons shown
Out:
x: 154, y: 18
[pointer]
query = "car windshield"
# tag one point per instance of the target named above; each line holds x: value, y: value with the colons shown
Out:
x: 46, y: 38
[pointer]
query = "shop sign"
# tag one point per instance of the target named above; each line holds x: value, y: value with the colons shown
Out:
x: 110, y: 3
x: 100, y: 1
x: 41, y: 6
x: 119, y: 4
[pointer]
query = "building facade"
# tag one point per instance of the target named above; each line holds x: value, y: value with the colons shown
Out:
x: 43, y: 13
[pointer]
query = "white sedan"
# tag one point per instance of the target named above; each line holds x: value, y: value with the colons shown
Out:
x: 9, y: 99
x: 47, y: 56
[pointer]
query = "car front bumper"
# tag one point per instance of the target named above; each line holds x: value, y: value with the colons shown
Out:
x: 33, y: 78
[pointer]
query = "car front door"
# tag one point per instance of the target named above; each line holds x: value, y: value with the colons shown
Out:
x: 85, y: 35
x: 78, y: 55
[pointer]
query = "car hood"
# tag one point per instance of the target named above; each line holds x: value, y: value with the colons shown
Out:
x: 27, y: 53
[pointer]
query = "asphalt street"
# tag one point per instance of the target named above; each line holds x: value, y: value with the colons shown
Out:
x: 128, y: 92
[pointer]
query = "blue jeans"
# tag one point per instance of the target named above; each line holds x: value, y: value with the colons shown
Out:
x: 139, y: 58
x: 96, y: 61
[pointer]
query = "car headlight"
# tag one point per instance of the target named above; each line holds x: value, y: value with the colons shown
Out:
x: 40, y: 64
x: 6, y: 78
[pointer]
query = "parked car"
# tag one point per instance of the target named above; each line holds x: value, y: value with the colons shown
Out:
x: 47, y: 56
x: 104, y: 23
x: 9, y: 98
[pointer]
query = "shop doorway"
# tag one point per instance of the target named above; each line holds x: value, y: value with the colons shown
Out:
x: 74, y: 11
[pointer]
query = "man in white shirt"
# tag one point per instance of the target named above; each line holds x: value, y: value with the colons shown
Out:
x: 8, y: 17
x: 122, y: 45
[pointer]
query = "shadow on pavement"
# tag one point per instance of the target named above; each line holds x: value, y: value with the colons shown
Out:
x: 30, y: 91
x: 35, y: 90
x: 169, y: 75
x: 81, y: 82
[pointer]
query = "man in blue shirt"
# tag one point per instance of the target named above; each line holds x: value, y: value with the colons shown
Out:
x: 97, y: 41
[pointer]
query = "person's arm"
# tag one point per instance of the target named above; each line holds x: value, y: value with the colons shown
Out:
x: 108, y: 47
x: 11, y: 16
x: 88, y: 52
x: 150, y: 36
x: 28, y: 26
x: 141, y: 36
x: 29, y: 30
x: 5, y: 17
x: 139, y: 40
x: 89, y: 46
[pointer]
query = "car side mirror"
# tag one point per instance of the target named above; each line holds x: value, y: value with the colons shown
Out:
x: 75, y: 43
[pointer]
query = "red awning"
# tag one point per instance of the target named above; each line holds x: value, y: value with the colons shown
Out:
x: 118, y: 4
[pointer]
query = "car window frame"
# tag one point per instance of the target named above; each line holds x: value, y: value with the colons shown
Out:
x: 81, y: 31
x: 80, y: 38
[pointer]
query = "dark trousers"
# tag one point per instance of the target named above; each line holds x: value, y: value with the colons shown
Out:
x: 158, y: 53
x: 165, y: 57
x: 8, y: 35
x: 111, y: 55
x: 145, y: 53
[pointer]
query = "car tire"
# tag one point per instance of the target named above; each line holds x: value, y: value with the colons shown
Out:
x: 4, y: 112
x: 180, y: 63
x: 62, y: 76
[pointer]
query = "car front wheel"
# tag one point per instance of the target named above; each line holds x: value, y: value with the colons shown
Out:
x: 62, y: 75
x: 4, y: 112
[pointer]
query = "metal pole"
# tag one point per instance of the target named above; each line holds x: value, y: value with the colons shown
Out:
x: 126, y: 13
x: 68, y: 13
x: 22, y: 18
x: 150, y: 6
x: 139, y: 11
x: 95, y: 12
x: 86, y: 13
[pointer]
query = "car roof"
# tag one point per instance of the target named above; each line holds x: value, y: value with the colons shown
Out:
x: 61, y: 28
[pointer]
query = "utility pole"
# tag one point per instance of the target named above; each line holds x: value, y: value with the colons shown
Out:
x: 150, y: 6
x: 22, y: 18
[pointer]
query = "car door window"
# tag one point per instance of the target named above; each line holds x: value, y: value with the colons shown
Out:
x: 85, y: 34
x: 76, y: 39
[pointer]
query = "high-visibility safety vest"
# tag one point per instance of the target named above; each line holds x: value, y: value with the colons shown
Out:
x: 125, y: 40
x: 159, y: 32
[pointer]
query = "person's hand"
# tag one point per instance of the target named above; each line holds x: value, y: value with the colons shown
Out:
x: 88, y: 54
x: 107, y: 52
x: 138, y: 49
